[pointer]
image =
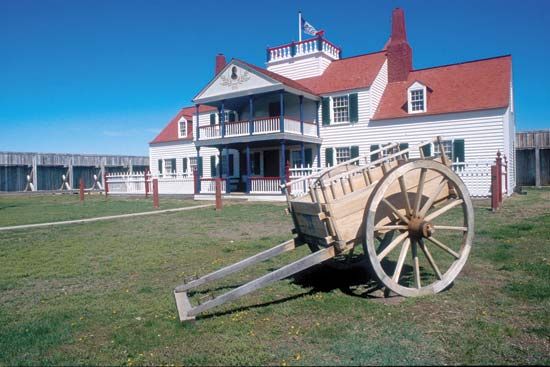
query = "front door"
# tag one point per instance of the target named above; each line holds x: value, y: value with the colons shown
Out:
x: 271, y: 163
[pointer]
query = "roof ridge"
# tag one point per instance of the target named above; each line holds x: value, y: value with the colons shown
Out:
x: 463, y: 62
x: 360, y: 55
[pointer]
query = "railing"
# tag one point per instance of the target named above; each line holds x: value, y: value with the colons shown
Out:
x: 312, y: 45
x: 265, y: 185
x: 208, y: 186
x: 308, y: 173
x: 260, y: 125
x: 168, y: 183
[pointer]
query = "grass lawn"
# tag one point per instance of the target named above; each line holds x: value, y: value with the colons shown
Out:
x: 101, y: 293
x: 25, y: 209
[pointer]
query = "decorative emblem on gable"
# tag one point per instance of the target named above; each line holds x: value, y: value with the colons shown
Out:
x: 236, y: 77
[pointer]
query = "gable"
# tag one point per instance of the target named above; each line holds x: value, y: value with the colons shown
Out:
x: 236, y: 78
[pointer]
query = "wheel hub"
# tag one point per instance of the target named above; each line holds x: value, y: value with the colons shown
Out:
x: 419, y: 228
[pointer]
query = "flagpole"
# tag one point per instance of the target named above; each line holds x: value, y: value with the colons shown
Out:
x: 299, y: 26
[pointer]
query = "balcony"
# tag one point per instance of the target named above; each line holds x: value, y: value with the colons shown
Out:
x: 306, y: 47
x: 257, y: 126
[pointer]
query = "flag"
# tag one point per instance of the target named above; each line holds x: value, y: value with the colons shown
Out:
x: 308, y: 28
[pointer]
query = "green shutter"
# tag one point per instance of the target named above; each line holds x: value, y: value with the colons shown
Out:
x: 354, y: 152
x: 199, y: 166
x: 309, y: 157
x: 353, y: 108
x: 427, y: 150
x: 458, y: 150
x: 329, y: 157
x: 160, y: 166
x: 374, y: 147
x: 326, y: 111
x: 184, y: 164
x: 212, y: 166
x: 212, y: 119
x: 403, y: 146
x: 173, y: 161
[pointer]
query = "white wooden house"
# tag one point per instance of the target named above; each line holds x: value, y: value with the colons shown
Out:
x: 311, y: 107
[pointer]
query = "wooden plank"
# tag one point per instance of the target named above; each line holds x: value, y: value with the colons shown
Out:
x: 306, y: 208
x: 262, y: 256
x: 286, y: 271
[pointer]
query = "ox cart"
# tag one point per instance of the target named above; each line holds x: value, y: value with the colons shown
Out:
x: 386, y: 203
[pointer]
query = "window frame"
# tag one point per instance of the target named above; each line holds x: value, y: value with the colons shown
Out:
x: 417, y: 87
x: 181, y: 121
x: 332, y: 109
x: 165, y: 165
x: 337, y: 159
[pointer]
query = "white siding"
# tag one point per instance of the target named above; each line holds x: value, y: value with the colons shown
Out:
x: 301, y: 67
x: 482, y: 132
x: 178, y: 151
x: 377, y: 88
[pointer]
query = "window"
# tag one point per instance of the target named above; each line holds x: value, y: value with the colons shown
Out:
x: 192, y: 163
x: 183, y: 128
x: 454, y: 149
x: 229, y: 116
x: 417, y: 98
x: 170, y: 165
x: 296, y: 158
x: 340, y: 107
x: 343, y: 154
x: 447, y: 145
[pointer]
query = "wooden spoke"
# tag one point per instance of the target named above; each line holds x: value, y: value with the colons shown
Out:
x: 396, y: 241
x: 443, y: 247
x: 394, y: 209
x: 419, y: 190
x: 432, y: 198
x: 401, y: 260
x: 406, y: 196
x: 416, y: 265
x: 424, y: 248
x: 443, y: 210
x: 452, y: 228
x: 390, y: 227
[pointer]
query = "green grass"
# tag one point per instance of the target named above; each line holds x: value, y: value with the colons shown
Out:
x: 22, y: 209
x: 101, y: 293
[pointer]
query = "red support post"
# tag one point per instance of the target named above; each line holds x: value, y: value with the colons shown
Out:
x: 146, y: 184
x: 196, y: 180
x: 219, y: 203
x: 505, y: 174
x: 155, y: 193
x: 499, y: 176
x: 106, y: 185
x: 494, y: 189
x: 81, y: 189
x: 287, y: 176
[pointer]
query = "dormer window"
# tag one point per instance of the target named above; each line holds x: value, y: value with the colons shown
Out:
x: 417, y: 98
x: 182, y: 124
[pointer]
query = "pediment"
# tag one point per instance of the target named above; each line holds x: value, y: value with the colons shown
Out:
x: 236, y: 78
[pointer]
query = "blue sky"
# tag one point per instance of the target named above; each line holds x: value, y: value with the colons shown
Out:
x: 105, y: 76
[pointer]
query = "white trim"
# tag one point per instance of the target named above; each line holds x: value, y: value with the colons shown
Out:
x: 184, y: 120
x: 413, y: 88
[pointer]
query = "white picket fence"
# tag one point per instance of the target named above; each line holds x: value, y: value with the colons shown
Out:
x: 208, y: 186
x: 265, y: 185
x: 134, y: 183
x: 299, y: 172
x: 476, y: 175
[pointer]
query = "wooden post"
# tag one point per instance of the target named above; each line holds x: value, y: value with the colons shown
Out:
x: 505, y: 175
x: 219, y: 204
x: 155, y: 193
x: 196, y: 180
x: 146, y: 184
x: 499, y: 177
x: 537, y: 167
x: 494, y: 188
x: 106, y: 183
x: 35, y: 172
x: 287, y: 176
x: 81, y: 189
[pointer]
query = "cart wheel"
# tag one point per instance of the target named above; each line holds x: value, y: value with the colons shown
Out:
x: 427, y: 209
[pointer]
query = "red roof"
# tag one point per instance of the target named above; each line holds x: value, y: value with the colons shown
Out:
x: 346, y: 74
x: 171, y: 131
x: 286, y: 81
x: 468, y: 86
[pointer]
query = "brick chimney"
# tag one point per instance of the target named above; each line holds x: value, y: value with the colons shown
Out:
x: 220, y: 63
x: 399, y: 52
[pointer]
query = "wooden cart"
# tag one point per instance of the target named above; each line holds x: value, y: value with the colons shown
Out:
x: 384, y: 201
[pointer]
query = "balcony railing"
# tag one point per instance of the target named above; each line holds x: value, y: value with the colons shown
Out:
x: 262, y: 125
x: 305, y: 47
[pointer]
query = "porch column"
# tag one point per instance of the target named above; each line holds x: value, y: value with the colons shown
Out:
x: 197, y: 114
x: 248, y: 169
x: 198, y: 176
x: 302, y: 115
x: 303, y: 154
x: 317, y: 120
x: 220, y: 149
x: 282, y: 108
x: 251, y: 115
x: 282, y: 162
x: 222, y: 118
x: 318, y: 155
